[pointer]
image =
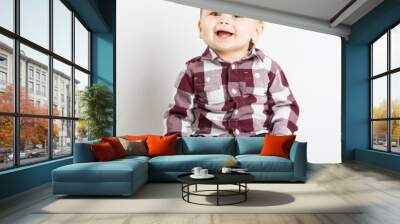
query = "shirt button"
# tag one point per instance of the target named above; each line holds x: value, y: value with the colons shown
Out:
x: 237, y: 132
x: 257, y: 75
x: 236, y: 112
x: 234, y: 91
x: 208, y: 79
x: 233, y: 66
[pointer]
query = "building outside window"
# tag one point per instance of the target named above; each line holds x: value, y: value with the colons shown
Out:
x: 43, y: 90
x: 3, y: 78
x: 37, y: 75
x: 44, y: 77
x: 3, y: 61
x: 3, y: 72
x: 30, y: 87
x: 38, y: 89
x: 34, y: 75
x: 30, y: 72
x: 55, y: 96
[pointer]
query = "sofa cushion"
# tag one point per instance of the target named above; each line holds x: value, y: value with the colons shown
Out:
x: 133, y: 158
x: 249, y: 145
x: 207, y: 145
x: 185, y: 163
x: 111, y: 171
x: 257, y: 163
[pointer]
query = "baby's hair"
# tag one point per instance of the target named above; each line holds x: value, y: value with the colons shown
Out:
x: 201, y: 12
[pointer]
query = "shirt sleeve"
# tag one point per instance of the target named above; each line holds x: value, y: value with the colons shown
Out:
x: 179, y: 116
x: 285, y: 110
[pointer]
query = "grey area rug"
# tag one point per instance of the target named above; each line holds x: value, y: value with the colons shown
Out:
x: 166, y: 198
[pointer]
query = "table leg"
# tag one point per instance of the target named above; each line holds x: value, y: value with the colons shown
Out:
x: 245, y: 193
x: 188, y: 190
x: 182, y: 189
x: 217, y: 194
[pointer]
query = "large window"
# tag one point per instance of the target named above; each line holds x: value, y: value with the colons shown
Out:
x: 385, y: 91
x: 44, y: 64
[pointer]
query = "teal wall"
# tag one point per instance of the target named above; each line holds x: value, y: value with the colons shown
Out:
x: 103, y: 52
x: 357, y: 99
x: 24, y: 178
x: 356, y: 80
x: 99, y: 16
x: 103, y: 63
x: 102, y: 58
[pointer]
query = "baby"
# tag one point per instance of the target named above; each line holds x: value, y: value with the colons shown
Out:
x: 232, y: 89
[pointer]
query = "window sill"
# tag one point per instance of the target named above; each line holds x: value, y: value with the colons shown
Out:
x: 382, y: 159
x: 25, y: 167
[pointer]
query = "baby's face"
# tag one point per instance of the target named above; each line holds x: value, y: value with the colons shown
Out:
x: 228, y: 33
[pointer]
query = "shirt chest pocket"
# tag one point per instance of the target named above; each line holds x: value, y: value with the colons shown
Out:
x: 256, y: 85
x: 209, y: 88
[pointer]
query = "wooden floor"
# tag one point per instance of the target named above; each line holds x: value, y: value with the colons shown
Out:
x: 377, y: 188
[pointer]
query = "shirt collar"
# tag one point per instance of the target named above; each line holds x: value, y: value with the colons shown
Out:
x: 210, y: 55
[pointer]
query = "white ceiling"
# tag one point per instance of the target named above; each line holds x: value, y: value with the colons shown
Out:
x: 321, y: 9
x: 324, y: 16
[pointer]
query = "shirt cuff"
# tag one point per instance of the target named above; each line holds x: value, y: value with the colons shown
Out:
x: 281, y: 130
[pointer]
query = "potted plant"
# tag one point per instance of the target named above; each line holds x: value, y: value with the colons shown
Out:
x: 96, y: 102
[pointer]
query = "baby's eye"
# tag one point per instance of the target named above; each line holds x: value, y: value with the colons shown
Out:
x: 236, y: 16
x: 215, y: 13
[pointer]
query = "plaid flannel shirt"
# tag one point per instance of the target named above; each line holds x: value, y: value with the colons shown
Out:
x: 245, y: 98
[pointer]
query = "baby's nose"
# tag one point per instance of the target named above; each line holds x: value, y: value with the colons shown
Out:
x: 225, y: 19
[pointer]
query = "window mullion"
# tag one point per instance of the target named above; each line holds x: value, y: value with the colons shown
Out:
x: 73, y: 82
x: 16, y: 84
x: 389, y: 92
x: 50, y: 81
x: 389, y: 106
x: 371, y: 142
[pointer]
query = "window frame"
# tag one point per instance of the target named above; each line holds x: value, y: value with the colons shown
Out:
x: 15, y: 72
x: 388, y: 74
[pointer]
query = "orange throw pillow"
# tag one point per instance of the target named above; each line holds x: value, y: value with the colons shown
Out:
x: 136, y: 138
x: 116, y: 145
x: 161, y: 145
x: 103, y: 151
x: 275, y: 145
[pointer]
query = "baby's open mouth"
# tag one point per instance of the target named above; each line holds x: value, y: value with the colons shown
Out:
x: 223, y: 34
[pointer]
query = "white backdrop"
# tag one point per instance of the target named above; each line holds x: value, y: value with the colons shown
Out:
x: 155, y: 38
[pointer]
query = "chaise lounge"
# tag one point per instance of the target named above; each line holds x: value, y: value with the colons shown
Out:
x: 125, y: 176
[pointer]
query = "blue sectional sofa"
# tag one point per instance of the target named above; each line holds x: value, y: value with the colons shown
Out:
x: 125, y: 176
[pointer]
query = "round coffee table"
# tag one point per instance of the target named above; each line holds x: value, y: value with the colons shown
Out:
x: 238, y: 179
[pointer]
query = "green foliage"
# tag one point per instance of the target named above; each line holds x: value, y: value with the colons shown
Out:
x: 96, y: 102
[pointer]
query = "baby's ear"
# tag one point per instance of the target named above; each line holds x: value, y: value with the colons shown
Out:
x: 258, y: 31
x: 260, y: 26
x: 199, y: 27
